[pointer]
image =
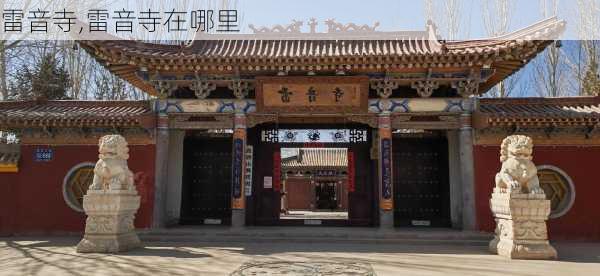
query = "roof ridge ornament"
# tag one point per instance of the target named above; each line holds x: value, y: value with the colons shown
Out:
x: 335, y: 27
x: 294, y: 27
x: 332, y: 27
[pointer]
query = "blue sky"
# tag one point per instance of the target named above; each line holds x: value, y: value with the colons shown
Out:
x: 393, y: 15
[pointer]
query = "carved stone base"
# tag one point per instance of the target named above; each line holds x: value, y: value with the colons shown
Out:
x: 109, y: 225
x: 521, y: 226
x: 109, y: 243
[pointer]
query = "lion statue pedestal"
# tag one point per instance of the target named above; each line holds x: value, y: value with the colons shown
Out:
x: 519, y: 205
x: 111, y: 202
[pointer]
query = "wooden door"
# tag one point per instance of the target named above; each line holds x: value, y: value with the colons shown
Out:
x: 421, y: 185
x: 206, y: 187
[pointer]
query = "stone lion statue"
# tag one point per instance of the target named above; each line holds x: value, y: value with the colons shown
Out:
x: 518, y: 173
x: 111, y: 171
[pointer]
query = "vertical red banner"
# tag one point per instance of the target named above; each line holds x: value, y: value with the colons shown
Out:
x: 277, y: 171
x: 351, y: 172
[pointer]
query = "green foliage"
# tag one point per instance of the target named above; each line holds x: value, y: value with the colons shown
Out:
x: 47, y: 80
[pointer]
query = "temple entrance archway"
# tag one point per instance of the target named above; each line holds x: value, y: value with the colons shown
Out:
x: 352, y: 189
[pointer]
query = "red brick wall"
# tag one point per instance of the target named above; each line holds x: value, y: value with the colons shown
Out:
x: 31, y: 201
x: 582, y: 164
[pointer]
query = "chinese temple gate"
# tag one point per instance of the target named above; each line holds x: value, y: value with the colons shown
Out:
x: 404, y: 105
x: 253, y: 87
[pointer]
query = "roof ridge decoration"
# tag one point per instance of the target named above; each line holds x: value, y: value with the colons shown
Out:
x: 293, y: 27
x: 332, y: 27
x: 334, y: 31
x: 336, y: 27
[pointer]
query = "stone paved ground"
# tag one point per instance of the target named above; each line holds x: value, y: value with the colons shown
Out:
x: 57, y: 256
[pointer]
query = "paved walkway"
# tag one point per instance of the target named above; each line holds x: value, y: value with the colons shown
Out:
x: 57, y: 256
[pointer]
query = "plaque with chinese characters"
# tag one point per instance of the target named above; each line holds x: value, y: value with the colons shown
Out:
x: 312, y: 94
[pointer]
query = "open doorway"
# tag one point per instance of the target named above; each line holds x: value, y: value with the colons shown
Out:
x: 315, y: 184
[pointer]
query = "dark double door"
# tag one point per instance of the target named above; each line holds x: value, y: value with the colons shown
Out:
x: 421, y: 186
x: 206, y: 189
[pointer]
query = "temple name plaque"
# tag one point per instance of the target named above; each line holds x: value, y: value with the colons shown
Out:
x: 312, y: 94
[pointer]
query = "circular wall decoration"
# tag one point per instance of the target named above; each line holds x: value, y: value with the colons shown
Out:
x: 76, y: 183
x: 559, y: 189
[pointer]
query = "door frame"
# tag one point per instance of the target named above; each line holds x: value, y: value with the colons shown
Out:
x: 263, y: 152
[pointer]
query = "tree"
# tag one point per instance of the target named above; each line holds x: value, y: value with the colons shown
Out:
x: 47, y: 80
x: 110, y: 87
x: 496, y: 22
x: 551, y: 75
x: 591, y: 80
x: 588, y: 31
x: 448, y: 15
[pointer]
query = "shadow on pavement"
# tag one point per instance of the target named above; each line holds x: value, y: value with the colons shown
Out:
x: 36, y: 257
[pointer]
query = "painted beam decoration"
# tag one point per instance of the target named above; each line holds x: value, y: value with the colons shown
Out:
x: 312, y: 94
x: 418, y: 105
x: 205, y: 106
x: 314, y: 135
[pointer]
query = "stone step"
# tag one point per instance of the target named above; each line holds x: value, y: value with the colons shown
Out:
x: 316, y: 234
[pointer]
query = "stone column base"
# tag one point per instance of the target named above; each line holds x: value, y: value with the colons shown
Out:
x: 238, y: 218
x: 386, y: 219
x: 108, y: 243
x: 528, y: 250
x: 521, y: 226
x: 109, y: 226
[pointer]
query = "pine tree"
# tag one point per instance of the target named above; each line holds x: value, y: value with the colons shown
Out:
x: 47, y: 80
